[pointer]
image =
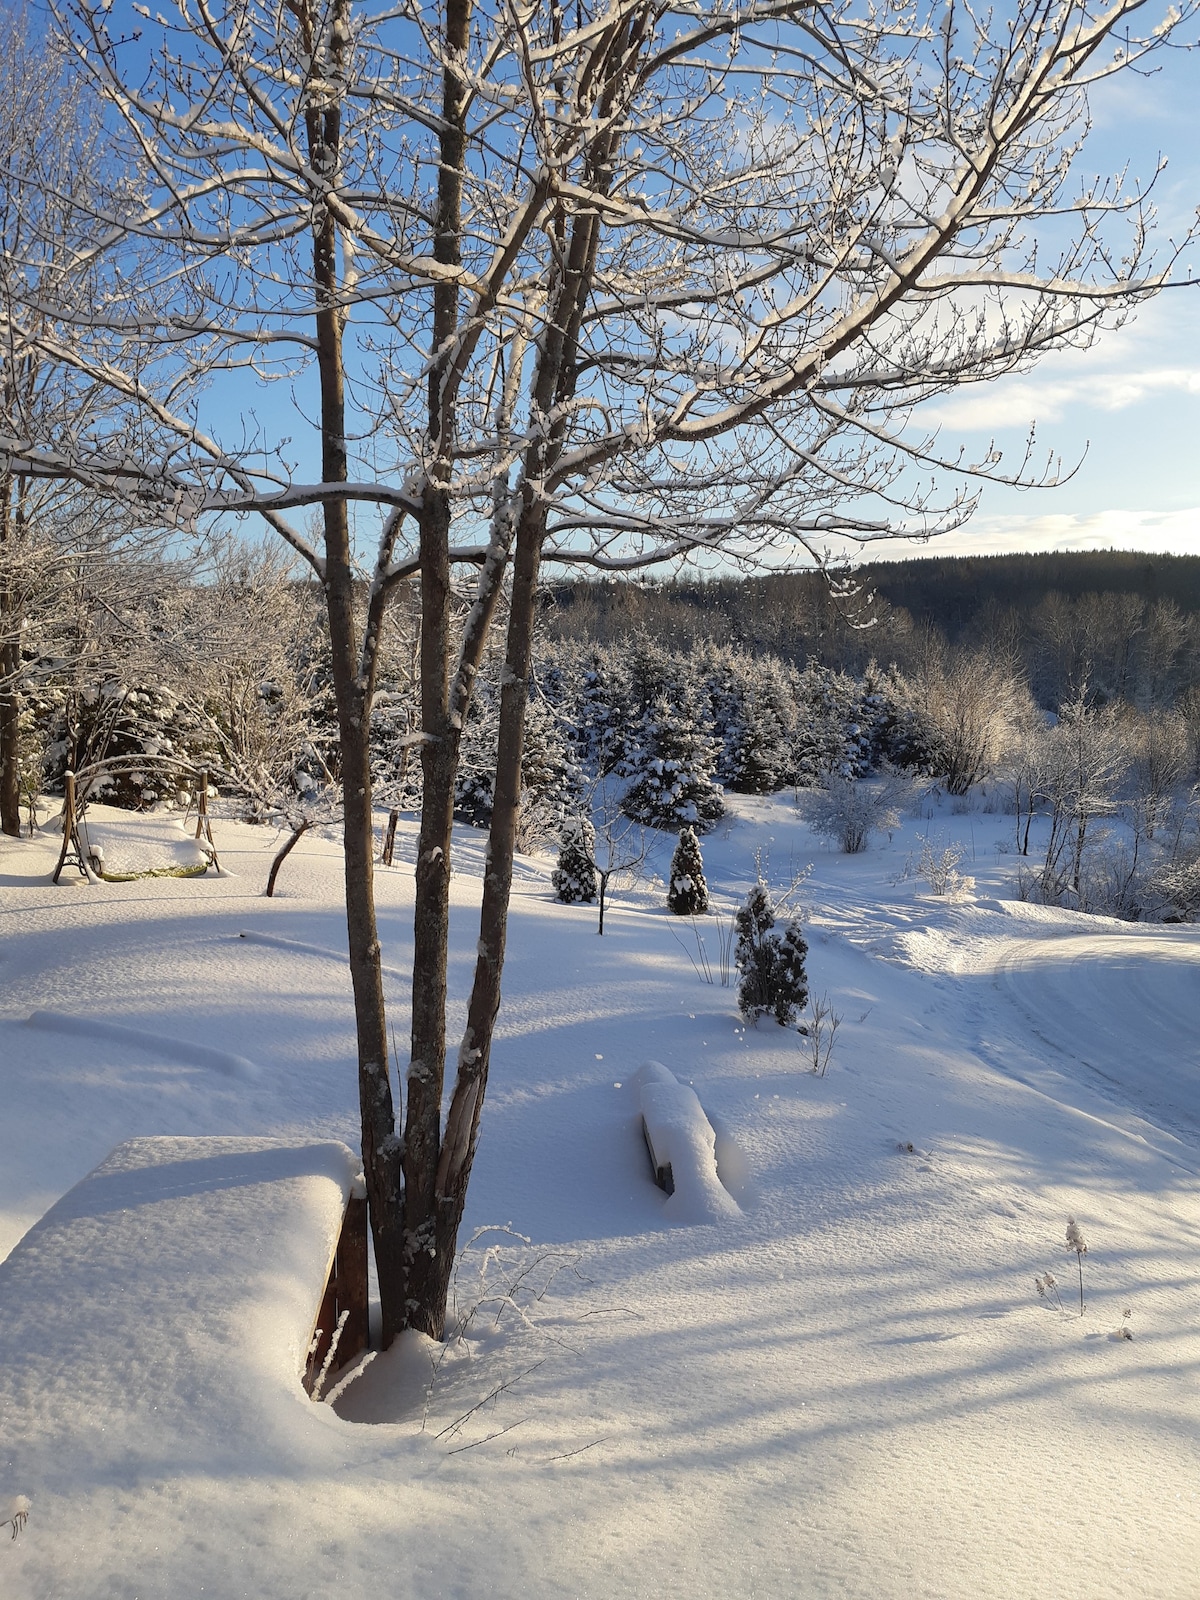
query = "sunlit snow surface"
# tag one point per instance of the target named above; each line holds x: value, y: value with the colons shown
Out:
x: 847, y: 1387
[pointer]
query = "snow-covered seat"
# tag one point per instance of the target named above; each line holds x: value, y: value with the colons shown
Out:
x: 164, y: 1307
x: 682, y: 1146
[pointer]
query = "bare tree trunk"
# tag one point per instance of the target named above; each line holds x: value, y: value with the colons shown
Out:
x: 352, y: 689
x: 297, y: 834
x: 10, y: 664
x: 440, y: 729
x: 430, y: 1285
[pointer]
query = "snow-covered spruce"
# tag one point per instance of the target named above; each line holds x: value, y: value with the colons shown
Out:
x: 672, y: 767
x: 574, y: 878
x: 687, y: 892
x: 771, y: 965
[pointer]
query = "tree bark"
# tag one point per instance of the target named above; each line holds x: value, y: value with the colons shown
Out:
x: 10, y: 664
x: 441, y: 729
x: 352, y: 690
x: 297, y: 834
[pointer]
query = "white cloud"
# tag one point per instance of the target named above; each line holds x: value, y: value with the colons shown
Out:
x: 1017, y: 403
x: 1155, y: 532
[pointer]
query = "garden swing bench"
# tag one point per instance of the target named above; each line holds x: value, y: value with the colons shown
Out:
x: 79, y: 851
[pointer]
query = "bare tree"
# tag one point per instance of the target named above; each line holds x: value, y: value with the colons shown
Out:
x: 1086, y: 756
x: 54, y: 537
x: 605, y: 285
x: 974, y: 701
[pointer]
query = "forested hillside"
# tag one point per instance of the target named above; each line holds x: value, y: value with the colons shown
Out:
x: 1128, y: 624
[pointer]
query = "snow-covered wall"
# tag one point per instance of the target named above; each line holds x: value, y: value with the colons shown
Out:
x: 159, y: 1314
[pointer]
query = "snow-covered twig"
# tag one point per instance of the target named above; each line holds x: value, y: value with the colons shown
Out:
x: 822, y: 1031
x: 1076, y: 1242
x: 329, y: 1355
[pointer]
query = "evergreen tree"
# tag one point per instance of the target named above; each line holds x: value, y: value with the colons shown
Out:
x: 550, y: 779
x: 772, y: 965
x: 687, y: 892
x: 672, y: 766
x: 601, y: 717
x: 789, y: 979
x: 754, y: 953
x: 473, y: 784
x: 574, y: 878
x: 830, y: 739
x: 758, y: 745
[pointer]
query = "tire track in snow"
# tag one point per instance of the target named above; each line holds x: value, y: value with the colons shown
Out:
x: 1124, y: 1008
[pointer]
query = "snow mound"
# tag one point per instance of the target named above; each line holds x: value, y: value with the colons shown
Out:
x: 681, y: 1137
x: 273, y: 941
x: 192, y: 1055
x: 154, y: 1324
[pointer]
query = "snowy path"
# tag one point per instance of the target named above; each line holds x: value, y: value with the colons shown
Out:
x: 1124, y: 1009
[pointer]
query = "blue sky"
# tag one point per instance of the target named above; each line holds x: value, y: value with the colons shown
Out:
x: 1125, y: 415
x: 1128, y: 410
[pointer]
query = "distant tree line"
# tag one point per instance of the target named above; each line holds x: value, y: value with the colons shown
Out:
x: 1076, y: 710
x: 1125, y: 624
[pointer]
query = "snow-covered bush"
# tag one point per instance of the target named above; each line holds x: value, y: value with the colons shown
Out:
x: 687, y: 891
x: 771, y: 965
x: 574, y: 878
x: 939, y: 867
x: 849, y: 811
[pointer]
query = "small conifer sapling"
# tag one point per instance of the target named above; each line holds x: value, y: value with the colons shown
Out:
x: 574, y: 878
x: 753, y: 953
x: 771, y: 965
x: 789, y: 980
x: 687, y: 891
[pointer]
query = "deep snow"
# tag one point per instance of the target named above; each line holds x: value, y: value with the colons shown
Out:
x: 846, y: 1386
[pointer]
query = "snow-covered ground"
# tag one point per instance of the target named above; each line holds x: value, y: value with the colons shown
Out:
x: 847, y: 1385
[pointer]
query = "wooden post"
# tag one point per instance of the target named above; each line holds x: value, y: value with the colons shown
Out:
x: 70, y: 831
x: 343, y: 1310
x: 389, y: 843
x: 203, y: 825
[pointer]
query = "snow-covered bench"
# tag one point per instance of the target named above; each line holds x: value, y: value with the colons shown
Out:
x: 682, y: 1146
x: 163, y: 1310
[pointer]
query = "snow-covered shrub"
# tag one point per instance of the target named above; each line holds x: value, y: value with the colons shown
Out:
x: 687, y: 891
x: 574, y: 878
x: 1084, y: 759
x: 849, y: 811
x: 939, y: 867
x: 771, y: 965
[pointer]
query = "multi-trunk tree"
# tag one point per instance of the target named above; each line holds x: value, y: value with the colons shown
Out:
x: 599, y: 284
